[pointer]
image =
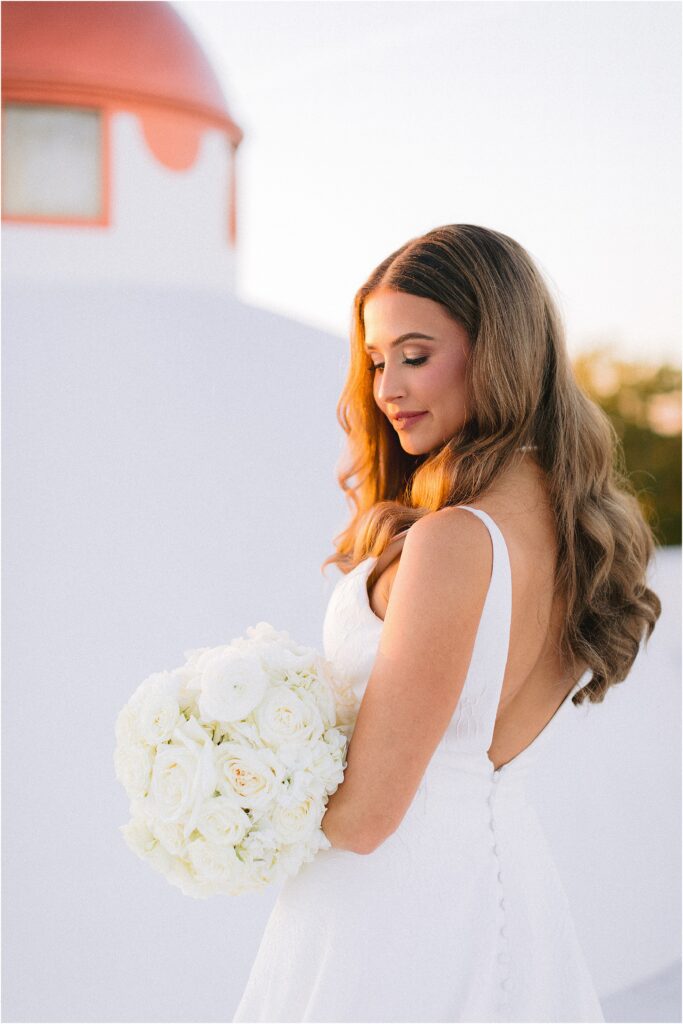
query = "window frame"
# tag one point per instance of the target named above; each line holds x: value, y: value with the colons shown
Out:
x: 103, y: 219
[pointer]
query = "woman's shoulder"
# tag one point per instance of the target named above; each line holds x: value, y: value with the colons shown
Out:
x: 523, y: 517
x: 449, y: 536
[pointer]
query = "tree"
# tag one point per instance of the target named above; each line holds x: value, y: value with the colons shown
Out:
x: 644, y: 404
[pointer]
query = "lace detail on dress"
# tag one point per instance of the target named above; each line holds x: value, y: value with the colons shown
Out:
x: 466, y: 722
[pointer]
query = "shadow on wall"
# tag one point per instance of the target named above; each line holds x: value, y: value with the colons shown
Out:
x: 657, y: 999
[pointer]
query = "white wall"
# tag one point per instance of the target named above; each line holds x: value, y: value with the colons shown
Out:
x: 169, y: 479
x: 168, y: 227
x: 609, y: 793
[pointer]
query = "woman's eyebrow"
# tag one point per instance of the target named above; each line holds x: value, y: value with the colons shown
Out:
x: 402, y: 338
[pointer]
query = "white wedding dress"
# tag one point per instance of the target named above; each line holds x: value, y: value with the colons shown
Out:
x: 460, y: 915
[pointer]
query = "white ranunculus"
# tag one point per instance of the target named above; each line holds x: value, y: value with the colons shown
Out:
x: 133, y: 764
x: 299, y: 785
x: 222, y: 821
x: 252, y: 776
x: 324, y: 760
x: 286, y: 717
x: 232, y: 684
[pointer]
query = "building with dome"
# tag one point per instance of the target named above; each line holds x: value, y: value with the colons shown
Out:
x: 168, y: 465
x: 119, y: 151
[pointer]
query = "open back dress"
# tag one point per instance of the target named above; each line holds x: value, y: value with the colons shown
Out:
x: 460, y: 915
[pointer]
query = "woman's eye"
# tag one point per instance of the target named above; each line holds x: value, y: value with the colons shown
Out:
x: 406, y: 362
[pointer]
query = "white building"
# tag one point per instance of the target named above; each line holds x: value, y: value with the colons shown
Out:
x: 119, y: 151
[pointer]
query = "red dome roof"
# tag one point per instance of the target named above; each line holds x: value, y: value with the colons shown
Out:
x: 137, y: 53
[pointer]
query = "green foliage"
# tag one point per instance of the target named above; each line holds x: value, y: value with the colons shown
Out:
x: 644, y: 404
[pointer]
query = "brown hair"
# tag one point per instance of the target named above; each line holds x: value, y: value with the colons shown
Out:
x: 522, y: 392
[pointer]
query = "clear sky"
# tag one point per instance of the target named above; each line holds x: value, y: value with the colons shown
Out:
x: 368, y: 123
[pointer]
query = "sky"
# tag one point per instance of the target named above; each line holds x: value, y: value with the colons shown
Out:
x: 369, y: 123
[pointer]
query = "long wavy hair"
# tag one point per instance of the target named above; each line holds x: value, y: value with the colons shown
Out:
x: 521, y: 391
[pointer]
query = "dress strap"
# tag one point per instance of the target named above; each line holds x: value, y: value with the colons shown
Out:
x: 475, y: 715
x: 397, y: 535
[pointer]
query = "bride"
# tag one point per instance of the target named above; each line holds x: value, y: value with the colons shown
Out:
x: 494, y: 576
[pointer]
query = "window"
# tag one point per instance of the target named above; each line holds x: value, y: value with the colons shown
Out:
x: 51, y: 161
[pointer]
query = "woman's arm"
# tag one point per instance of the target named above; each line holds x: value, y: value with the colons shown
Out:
x: 424, y: 653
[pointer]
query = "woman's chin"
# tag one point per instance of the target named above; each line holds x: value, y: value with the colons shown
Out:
x: 413, y: 447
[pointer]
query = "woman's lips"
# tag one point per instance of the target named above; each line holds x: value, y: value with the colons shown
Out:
x: 403, y: 422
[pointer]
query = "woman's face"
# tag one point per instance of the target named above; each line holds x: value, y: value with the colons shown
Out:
x: 435, y: 386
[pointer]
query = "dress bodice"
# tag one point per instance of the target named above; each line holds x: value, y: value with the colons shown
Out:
x: 351, y: 633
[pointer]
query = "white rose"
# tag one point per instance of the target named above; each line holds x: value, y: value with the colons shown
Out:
x: 188, y: 680
x: 178, y: 780
x: 183, y: 875
x: 133, y: 767
x: 252, y: 776
x: 162, y: 682
x: 283, y: 659
x: 222, y: 822
x: 193, y: 658
x: 348, y: 706
x: 296, y: 823
x: 323, y: 695
x: 286, y: 717
x: 264, y: 633
x: 171, y: 835
x: 277, y: 649
x: 260, y: 852
x: 244, y: 730
x: 126, y: 728
x: 142, y: 807
x: 219, y: 865
x: 157, y: 714
x: 142, y: 841
x: 139, y: 837
x: 232, y: 684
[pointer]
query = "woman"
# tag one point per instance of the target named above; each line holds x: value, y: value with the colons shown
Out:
x: 495, y: 576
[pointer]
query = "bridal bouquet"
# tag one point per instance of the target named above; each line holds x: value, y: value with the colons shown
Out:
x: 228, y: 762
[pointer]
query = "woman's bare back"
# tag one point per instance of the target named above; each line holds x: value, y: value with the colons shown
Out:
x: 536, y: 680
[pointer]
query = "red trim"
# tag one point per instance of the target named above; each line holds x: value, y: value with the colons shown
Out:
x: 23, y: 90
x: 232, y: 199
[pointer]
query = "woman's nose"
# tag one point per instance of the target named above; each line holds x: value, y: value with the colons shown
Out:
x: 390, y: 385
